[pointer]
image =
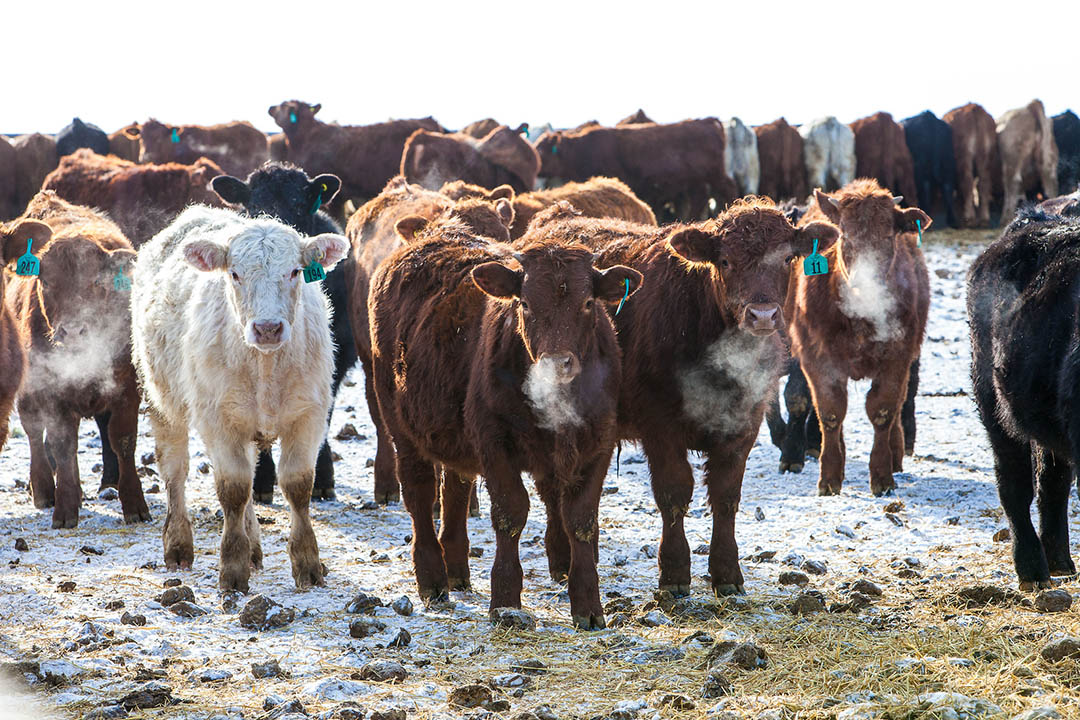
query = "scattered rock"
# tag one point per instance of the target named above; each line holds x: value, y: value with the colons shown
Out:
x: 204, y: 468
x: 814, y: 567
x: 648, y: 551
x: 906, y: 573
x: 716, y: 685
x: 129, y: 619
x: 114, y: 605
x: 952, y: 520
x: 894, y: 507
x: 1055, y: 650
x: 470, y: 696
x: 66, y: 586
x: 363, y: 627
x: 845, y: 531
x: 866, y: 588
x: 513, y: 618
x: 387, y: 712
x: 759, y: 514
x: 349, y: 711
x: 150, y: 695
x: 619, y: 560
x: 609, y: 490
x: 1053, y: 601
x: 476, y: 552
x: 529, y: 666
x: 1039, y: 713
x: 91, y: 550
x: 348, y: 432
x: 511, y: 680
x: 262, y: 613
x: 210, y: 675
x: 270, y: 668
x: 626, y: 710
x: 978, y: 595
x: 938, y: 705
x: 20, y: 545
x: 677, y: 702
x: 172, y: 582
x: 230, y: 600
x: 402, y: 639
x: 792, y: 559
x: 402, y: 606
x: 186, y: 609
x: 653, y: 618
x: 383, y: 671
x: 794, y: 577
x: 364, y: 603
x: 108, y: 494
x: 108, y: 713
x: 894, y: 519
x: 369, y: 463
x: 1002, y: 535
x: 745, y: 655
x: 763, y: 556
x: 807, y: 603
x: 173, y: 595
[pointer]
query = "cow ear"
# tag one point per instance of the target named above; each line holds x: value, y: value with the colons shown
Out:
x: 315, y: 108
x: 14, y: 239
x: 905, y: 219
x: 122, y: 260
x: 327, y: 249
x: 505, y: 211
x: 231, y: 190
x: 324, y: 187
x: 407, y: 227
x: 503, y: 191
x: 206, y: 255
x: 692, y: 245
x: 131, y: 132
x: 825, y: 233
x: 614, y: 283
x: 828, y: 205
x: 497, y: 280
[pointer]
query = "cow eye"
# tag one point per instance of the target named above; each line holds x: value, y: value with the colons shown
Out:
x: 295, y: 272
x: 725, y: 264
x: 525, y: 306
x: 790, y: 259
x: 589, y: 304
x: 235, y: 277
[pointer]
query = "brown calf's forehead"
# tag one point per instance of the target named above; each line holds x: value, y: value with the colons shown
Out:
x: 755, y: 224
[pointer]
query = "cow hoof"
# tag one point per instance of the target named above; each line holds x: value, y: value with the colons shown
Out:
x: 728, y: 589
x: 256, y: 558
x: 909, y: 450
x: 61, y: 523
x: 791, y: 467
x: 137, y: 517
x: 589, y: 622
x: 882, y: 489
x: 434, y: 596
x: 459, y: 584
x: 474, y: 512
x: 1033, y: 585
x: 825, y: 489
x: 263, y: 498
x: 815, y: 453
x: 318, y: 493
x: 233, y: 581
x: 385, y: 498
x: 43, y: 503
x: 676, y: 590
x: 179, y: 557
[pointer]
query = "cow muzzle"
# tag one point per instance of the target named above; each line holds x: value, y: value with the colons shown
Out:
x: 762, y: 318
x: 564, y: 366
x: 268, y: 334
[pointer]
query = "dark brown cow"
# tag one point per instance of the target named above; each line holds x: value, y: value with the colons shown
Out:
x: 76, y: 329
x: 523, y: 378
x: 502, y: 157
x: 599, y: 197
x: 279, y: 148
x: 365, y: 157
x: 701, y: 356
x: 783, y: 170
x: 680, y: 165
x: 35, y: 157
x: 638, y: 118
x: 9, y: 202
x: 236, y: 147
x: 978, y: 163
x: 373, y: 232
x: 16, y: 238
x: 881, y: 152
x: 124, y: 143
x: 865, y: 318
x: 142, y: 199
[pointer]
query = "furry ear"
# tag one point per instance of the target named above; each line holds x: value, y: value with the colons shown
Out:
x: 407, y: 227
x: 131, y: 132
x: 503, y: 191
x: 828, y: 205
x: 315, y: 108
x: 824, y: 232
x: 905, y: 219
x: 610, y: 284
x: 505, y: 211
x: 14, y: 237
x: 325, y: 187
x: 692, y: 245
x: 122, y: 261
x: 497, y: 280
x: 327, y: 249
x: 231, y: 190
x: 206, y: 255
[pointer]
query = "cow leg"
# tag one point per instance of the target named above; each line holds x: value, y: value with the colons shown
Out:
x: 63, y: 432
x: 299, y: 450
x: 947, y: 191
x: 122, y: 430
x: 233, y: 464
x: 1013, y: 187
x: 775, y: 421
x: 673, y: 489
x: 986, y: 194
x: 965, y: 192
x: 883, y: 404
x: 454, y: 528
x: 171, y: 448
x: 798, y: 402
x: 813, y: 433
x: 1053, y: 480
x: 580, y: 504
x: 907, y: 413
x: 42, y: 484
x: 1013, y: 467
x: 387, y: 489
x: 556, y: 543
x: 723, y: 477
x: 509, y: 512
x: 110, y: 468
x: 265, y: 477
x: 474, y: 501
x: 419, y: 485
x: 830, y: 403
x: 323, y: 488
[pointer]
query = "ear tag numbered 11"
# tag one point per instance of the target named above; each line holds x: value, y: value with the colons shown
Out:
x: 121, y: 282
x: 625, y: 296
x: 815, y: 264
x: 918, y: 224
x: 28, y: 265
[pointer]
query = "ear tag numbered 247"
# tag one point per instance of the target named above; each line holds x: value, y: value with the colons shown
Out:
x: 28, y: 265
x: 815, y: 264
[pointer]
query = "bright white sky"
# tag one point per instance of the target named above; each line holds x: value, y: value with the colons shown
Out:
x: 539, y: 61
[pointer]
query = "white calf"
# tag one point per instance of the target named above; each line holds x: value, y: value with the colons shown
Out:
x: 741, y: 161
x: 829, y: 153
x: 227, y: 336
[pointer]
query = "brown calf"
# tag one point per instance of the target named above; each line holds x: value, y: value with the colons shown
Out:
x: 76, y: 328
x: 236, y: 147
x: 881, y: 152
x: 515, y: 370
x: 500, y: 157
x: 375, y: 231
x: 142, y: 199
x: 783, y: 171
x: 35, y: 157
x: 600, y: 197
x: 978, y: 163
x: 701, y: 356
x: 864, y: 319
x: 124, y: 143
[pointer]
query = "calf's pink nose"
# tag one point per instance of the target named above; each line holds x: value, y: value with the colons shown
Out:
x: 268, y: 332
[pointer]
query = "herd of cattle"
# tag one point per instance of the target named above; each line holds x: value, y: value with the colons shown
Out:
x: 506, y: 330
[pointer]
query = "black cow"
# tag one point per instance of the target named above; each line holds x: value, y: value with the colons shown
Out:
x: 1025, y: 369
x: 929, y: 139
x: 1067, y: 137
x: 81, y: 135
x: 286, y: 192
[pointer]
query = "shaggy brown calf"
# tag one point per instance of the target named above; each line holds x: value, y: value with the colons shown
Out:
x: 599, y: 197
x: 76, y: 328
x: 701, y: 356
x: 865, y: 318
x: 142, y: 199
x: 881, y: 152
x: 9, y: 203
x: 1029, y: 156
x: 365, y: 157
x: 500, y: 157
x: 236, y: 147
x: 35, y: 157
x: 978, y: 163
x: 375, y: 231
x: 16, y: 238
x: 494, y: 362
x: 780, y: 153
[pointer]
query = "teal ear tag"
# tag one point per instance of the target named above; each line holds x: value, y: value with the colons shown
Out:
x: 918, y: 224
x: 28, y: 265
x: 624, y: 297
x: 175, y: 135
x: 121, y: 282
x: 292, y: 118
x: 314, y: 272
x: 815, y: 264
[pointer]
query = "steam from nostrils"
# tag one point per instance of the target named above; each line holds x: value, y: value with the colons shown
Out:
x: 551, y: 400
x: 737, y: 373
x: 865, y: 297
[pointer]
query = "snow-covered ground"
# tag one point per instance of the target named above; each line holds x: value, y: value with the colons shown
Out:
x: 950, y: 512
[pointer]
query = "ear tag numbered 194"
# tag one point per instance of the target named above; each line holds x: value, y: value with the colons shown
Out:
x: 28, y: 265
x: 121, y: 282
x: 314, y: 272
x: 815, y: 264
